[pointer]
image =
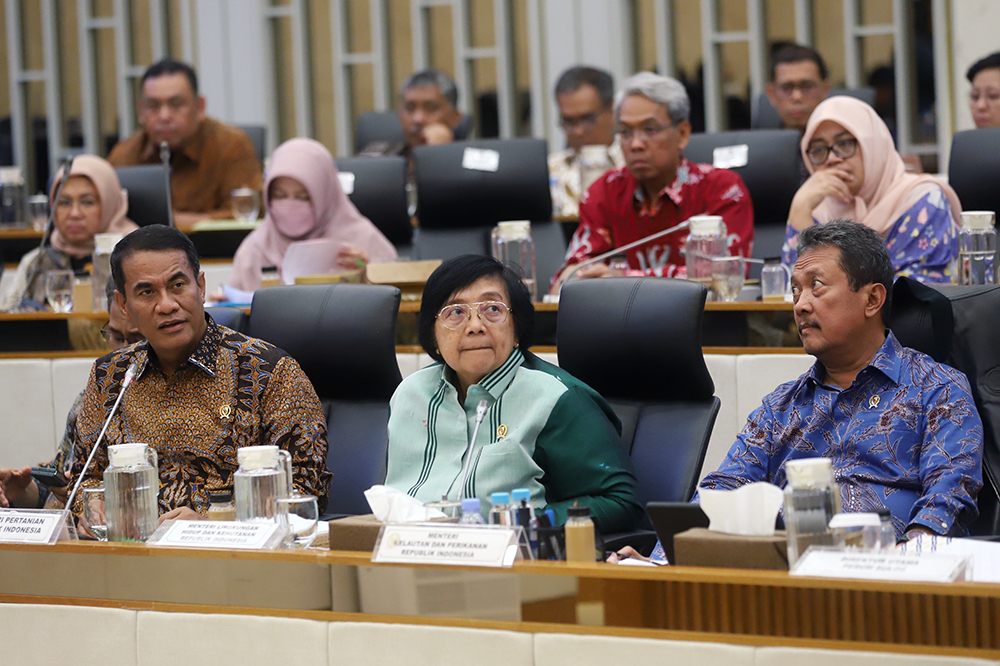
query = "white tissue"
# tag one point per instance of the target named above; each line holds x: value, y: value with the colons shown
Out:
x: 747, y: 511
x: 394, y: 506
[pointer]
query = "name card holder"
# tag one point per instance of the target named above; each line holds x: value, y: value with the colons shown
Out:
x: 217, y: 534
x: 480, y: 159
x: 829, y: 562
x: 448, y: 543
x: 36, y: 526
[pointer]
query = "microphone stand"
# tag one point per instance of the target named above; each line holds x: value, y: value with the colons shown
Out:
x: 165, y: 159
x: 67, y: 165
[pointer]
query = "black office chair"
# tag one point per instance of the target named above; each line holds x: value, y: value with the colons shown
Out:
x: 380, y: 194
x: 258, y: 136
x: 957, y: 325
x: 637, y: 341
x: 343, y: 336
x: 148, y: 194
x: 763, y: 115
x: 458, y: 207
x: 229, y: 316
x: 772, y: 175
x: 384, y: 126
x: 972, y: 166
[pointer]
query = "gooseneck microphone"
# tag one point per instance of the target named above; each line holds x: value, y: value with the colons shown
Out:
x: 165, y: 159
x: 622, y: 248
x: 130, y: 375
x: 36, y: 267
x: 480, y: 413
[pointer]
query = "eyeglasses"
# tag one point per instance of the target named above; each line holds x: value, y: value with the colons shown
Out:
x: 842, y: 148
x: 114, y: 338
x: 455, y: 315
x: 584, y: 122
x: 644, y: 133
x: 787, y: 89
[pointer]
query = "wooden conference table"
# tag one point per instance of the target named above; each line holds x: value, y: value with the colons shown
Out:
x: 727, y: 605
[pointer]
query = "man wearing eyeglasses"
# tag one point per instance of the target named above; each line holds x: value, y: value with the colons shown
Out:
x: 208, y: 159
x: 585, y: 96
x: 656, y: 189
x: 798, y: 83
x: 17, y: 487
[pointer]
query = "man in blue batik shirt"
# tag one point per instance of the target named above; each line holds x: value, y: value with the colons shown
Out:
x: 901, y: 429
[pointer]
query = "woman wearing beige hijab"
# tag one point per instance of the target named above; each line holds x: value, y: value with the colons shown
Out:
x: 858, y: 175
x: 92, y: 202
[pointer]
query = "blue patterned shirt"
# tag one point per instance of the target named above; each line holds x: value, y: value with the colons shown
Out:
x: 905, y: 435
x: 922, y: 244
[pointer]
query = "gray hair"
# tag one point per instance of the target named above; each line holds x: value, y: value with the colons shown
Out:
x: 432, y: 77
x: 660, y: 89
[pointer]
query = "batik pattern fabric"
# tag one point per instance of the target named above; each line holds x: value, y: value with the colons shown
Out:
x: 233, y: 391
x: 922, y: 244
x: 905, y: 435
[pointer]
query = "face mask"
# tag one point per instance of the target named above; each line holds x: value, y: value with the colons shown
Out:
x: 292, y: 217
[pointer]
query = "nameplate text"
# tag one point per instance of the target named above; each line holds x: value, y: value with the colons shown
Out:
x: 32, y: 526
x: 480, y: 159
x: 215, y: 534
x: 837, y: 563
x: 471, y: 545
x: 731, y: 157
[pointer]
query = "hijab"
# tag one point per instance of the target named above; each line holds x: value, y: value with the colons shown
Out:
x: 334, y: 216
x: 114, y: 203
x: 887, y: 191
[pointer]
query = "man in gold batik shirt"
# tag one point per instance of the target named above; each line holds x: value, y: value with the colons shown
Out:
x: 202, y: 390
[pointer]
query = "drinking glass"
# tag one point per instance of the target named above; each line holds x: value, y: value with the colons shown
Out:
x: 93, y: 512
x: 38, y: 207
x: 728, y: 274
x: 245, y: 203
x: 59, y: 290
x: 299, y: 516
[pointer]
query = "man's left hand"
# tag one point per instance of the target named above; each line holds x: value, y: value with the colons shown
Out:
x: 181, y: 513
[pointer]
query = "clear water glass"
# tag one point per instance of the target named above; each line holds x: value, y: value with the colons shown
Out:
x: 728, y: 275
x: 94, y: 513
x: 38, y: 209
x: 59, y: 290
x: 299, y: 516
x: 245, y: 204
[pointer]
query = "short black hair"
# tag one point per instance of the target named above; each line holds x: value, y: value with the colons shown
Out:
x: 432, y: 77
x: 992, y: 61
x: 458, y: 273
x: 154, y: 238
x: 170, y: 66
x: 862, y: 255
x: 575, y: 78
x: 788, y: 52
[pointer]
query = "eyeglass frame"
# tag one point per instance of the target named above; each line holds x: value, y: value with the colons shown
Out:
x: 106, y: 333
x: 643, y: 133
x: 788, y: 88
x: 827, y: 149
x: 477, y: 310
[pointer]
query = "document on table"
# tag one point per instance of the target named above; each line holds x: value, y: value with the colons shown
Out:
x: 985, y: 554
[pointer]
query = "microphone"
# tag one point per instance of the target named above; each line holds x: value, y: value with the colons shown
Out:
x: 480, y: 413
x: 130, y: 374
x: 165, y: 159
x: 66, y: 166
x: 620, y: 249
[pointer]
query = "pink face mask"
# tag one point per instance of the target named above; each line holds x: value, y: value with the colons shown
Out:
x: 292, y: 217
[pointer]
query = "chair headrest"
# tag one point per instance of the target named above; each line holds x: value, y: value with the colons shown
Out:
x: 343, y: 335
x: 973, y: 159
x: 635, y: 338
x: 452, y: 194
x: 922, y: 318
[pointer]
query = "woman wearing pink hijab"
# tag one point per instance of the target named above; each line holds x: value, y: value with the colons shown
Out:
x: 304, y: 201
x: 858, y: 175
x: 92, y: 202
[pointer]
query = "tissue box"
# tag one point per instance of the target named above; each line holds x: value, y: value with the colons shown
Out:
x: 354, y: 533
x: 701, y: 547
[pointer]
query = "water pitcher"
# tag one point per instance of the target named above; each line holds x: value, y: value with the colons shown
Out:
x: 512, y: 243
x: 264, y: 476
x: 707, y: 239
x: 131, y: 487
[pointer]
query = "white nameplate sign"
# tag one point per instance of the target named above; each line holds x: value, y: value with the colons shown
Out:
x: 836, y: 563
x: 215, y: 534
x: 480, y: 159
x: 32, y: 526
x: 446, y: 543
x: 346, y: 181
x: 731, y: 157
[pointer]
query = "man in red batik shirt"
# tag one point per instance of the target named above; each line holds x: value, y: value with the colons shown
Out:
x: 656, y: 189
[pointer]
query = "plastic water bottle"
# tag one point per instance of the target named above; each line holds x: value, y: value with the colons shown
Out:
x: 811, y: 500
x: 524, y: 515
x: 512, y: 244
x: 706, y: 239
x: 471, y: 512
x: 500, y: 511
x: 977, y: 248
